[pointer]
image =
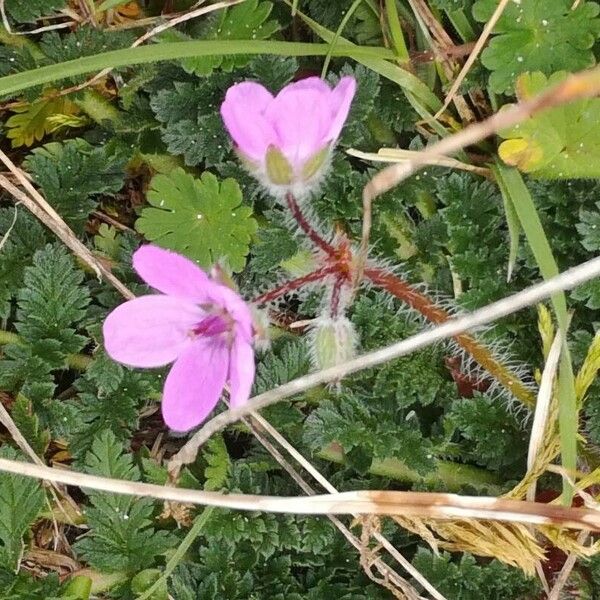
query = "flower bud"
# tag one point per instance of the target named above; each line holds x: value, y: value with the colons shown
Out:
x: 333, y: 341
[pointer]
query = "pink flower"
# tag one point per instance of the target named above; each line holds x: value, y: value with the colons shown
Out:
x: 201, y: 326
x: 286, y: 139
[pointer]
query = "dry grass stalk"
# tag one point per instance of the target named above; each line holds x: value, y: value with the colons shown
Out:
x: 485, y: 34
x: 398, y: 155
x: 40, y: 208
x: 438, y: 506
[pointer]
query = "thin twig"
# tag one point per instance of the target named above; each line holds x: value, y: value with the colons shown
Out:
x: 451, y: 328
x: 563, y: 576
x: 54, y: 222
x: 398, y: 155
x: 487, y: 30
x: 12, y: 225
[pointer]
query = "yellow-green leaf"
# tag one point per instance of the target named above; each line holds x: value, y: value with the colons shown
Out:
x: 560, y: 143
x: 30, y: 123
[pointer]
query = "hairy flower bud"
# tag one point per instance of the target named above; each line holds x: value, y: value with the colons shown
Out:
x: 333, y: 341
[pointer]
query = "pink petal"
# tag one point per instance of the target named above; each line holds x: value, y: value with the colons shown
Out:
x: 339, y: 103
x: 150, y: 331
x: 194, y: 384
x: 170, y: 273
x: 309, y: 83
x: 241, y: 372
x: 243, y: 115
x: 302, y: 121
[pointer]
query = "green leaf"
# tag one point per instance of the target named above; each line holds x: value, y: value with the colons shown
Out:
x: 26, y: 236
x: 204, y: 219
x: 84, y: 41
x: 216, y: 472
x: 28, y: 424
x: 466, y: 579
x: 108, y: 398
x: 21, y: 500
x: 121, y: 535
x: 53, y: 301
x: 366, y: 431
x: 245, y: 21
x: 537, y: 35
x: 560, y: 143
x: 492, y: 436
x: 30, y: 11
x: 31, y: 123
x: 589, y: 229
x: 25, y: 586
x: 73, y: 174
x: 589, y: 293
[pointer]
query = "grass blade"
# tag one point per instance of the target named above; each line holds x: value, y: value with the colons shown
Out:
x: 512, y: 182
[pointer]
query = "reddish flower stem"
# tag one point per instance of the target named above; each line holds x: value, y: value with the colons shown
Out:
x: 314, y: 237
x: 478, y: 351
x: 335, y: 295
x: 294, y: 284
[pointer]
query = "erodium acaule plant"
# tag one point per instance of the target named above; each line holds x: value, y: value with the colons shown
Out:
x: 205, y: 328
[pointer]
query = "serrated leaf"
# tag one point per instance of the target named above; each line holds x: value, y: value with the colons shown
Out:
x: 21, y: 500
x: 216, y: 472
x: 537, y: 35
x: 560, y: 143
x: 73, y: 174
x: 121, y: 537
x: 28, y: 424
x: 25, y: 12
x: 245, y: 21
x: 589, y: 229
x: 26, y: 236
x: 30, y: 123
x: 53, y: 301
x: 84, y: 41
x: 203, y: 219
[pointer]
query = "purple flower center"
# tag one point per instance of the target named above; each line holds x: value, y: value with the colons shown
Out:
x: 211, y: 326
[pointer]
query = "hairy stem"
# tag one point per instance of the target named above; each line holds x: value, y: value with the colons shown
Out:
x: 294, y: 284
x: 312, y: 235
x: 452, y: 476
x: 482, y: 355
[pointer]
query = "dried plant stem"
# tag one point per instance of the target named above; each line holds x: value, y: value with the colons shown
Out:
x: 563, y: 576
x: 540, y: 424
x: 365, y: 502
x: 450, y: 328
x: 485, y: 34
x: 40, y: 208
x: 474, y: 348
